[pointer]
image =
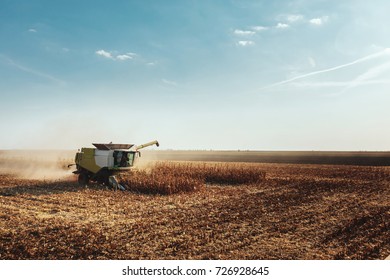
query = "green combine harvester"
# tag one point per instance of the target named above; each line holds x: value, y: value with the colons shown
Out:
x: 100, y: 164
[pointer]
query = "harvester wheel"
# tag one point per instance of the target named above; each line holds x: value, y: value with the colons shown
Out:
x: 103, y: 177
x: 83, y: 179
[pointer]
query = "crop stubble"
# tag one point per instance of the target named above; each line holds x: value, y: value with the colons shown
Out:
x: 295, y: 212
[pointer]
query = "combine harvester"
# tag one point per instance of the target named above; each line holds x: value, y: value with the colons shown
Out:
x: 100, y: 164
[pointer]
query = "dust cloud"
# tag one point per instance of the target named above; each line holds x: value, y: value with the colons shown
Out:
x: 146, y: 161
x: 37, y: 165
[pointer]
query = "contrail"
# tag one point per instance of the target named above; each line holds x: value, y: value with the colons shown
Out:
x: 32, y: 71
x: 368, y: 57
x: 369, y: 74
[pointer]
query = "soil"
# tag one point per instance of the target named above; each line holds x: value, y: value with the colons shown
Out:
x: 299, y: 211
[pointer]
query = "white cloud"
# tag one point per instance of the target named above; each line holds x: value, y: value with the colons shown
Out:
x: 104, y: 54
x: 316, y: 21
x: 319, y: 21
x: 32, y: 30
x: 168, y: 82
x: 124, y: 57
x: 294, y: 18
x: 282, y: 25
x: 120, y: 57
x: 259, y: 28
x: 245, y: 43
x: 244, y: 32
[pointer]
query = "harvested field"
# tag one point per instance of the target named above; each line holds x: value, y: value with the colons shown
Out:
x: 292, y: 157
x: 295, y: 212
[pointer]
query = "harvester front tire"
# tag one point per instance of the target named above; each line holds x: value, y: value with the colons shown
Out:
x: 83, y: 179
x: 103, y: 177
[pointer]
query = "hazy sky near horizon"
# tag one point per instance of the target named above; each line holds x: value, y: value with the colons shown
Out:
x: 260, y: 75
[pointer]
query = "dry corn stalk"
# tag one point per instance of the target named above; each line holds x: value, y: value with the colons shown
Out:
x: 171, y: 177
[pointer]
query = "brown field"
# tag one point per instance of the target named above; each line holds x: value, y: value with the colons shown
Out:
x: 298, y: 211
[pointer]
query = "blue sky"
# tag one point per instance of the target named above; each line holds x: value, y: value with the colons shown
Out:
x: 259, y: 75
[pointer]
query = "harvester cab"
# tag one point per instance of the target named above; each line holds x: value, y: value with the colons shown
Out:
x: 100, y: 164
